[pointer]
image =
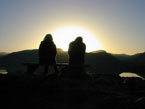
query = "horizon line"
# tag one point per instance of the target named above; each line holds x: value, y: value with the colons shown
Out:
x: 86, y: 52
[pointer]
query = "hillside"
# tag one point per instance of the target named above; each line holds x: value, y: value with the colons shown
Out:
x: 103, y: 62
x: 122, y: 57
x: 100, y: 61
x: 13, y: 61
x: 3, y: 54
x: 137, y: 59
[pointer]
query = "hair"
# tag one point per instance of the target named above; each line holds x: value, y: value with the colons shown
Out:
x: 48, y: 37
x: 79, y: 39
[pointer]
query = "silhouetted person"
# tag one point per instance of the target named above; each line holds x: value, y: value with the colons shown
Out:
x: 47, y: 53
x: 76, y: 51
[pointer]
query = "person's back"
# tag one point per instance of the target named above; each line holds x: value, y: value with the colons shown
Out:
x: 76, y: 51
x: 47, y: 53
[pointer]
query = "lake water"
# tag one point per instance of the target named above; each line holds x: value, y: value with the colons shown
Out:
x: 3, y: 71
x: 124, y: 74
x: 129, y: 74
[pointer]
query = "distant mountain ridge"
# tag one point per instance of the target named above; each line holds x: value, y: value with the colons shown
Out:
x: 98, y: 51
x: 100, y: 61
x: 121, y: 57
x: 13, y: 61
x: 3, y: 54
x: 138, y: 58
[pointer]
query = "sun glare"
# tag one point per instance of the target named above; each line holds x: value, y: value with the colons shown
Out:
x: 63, y: 36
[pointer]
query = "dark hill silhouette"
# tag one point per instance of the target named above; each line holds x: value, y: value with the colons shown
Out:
x: 122, y: 57
x: 3, y: 54
x: 137, y: 64
x: 133, y: 63
x: 13, y: 61
x: 138, y: 58
x: 100, y: 61
x: 98, y: 51
x: 103, y: 62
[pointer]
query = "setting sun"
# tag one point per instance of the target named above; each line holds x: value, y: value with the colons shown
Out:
x: 63, y: 36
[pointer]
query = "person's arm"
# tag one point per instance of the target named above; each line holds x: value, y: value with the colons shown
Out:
x: 70, y: 48
x: 54, y: 50
x: 40, y: 49
x: 84, y: 48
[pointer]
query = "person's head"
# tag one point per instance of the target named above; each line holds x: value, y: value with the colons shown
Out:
x: 79, y: 39
x: 48, y: 37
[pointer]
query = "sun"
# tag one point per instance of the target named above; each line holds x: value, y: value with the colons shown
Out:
x: 63, y: 36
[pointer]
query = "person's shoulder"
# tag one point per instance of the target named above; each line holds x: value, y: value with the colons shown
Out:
x: 71, y: 43
x: 41, y: 41
x: 83, y: 44
x: 52, y: 42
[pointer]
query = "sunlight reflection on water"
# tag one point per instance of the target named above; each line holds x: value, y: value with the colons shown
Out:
x: 129, y: 74
x: 3, y: 71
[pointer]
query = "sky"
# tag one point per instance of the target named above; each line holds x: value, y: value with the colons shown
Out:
x: 118, y: 24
